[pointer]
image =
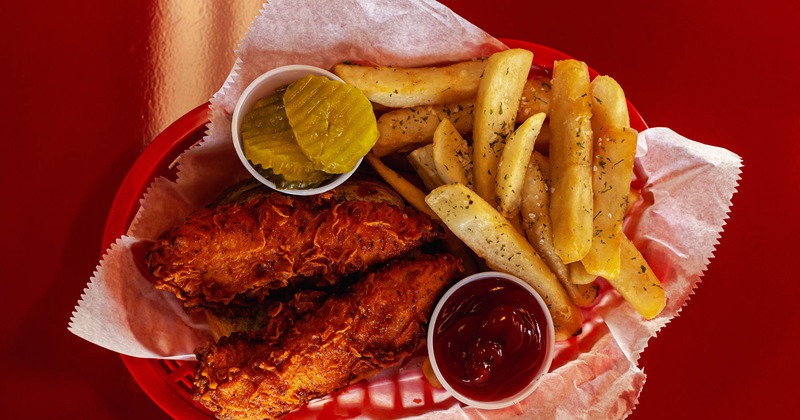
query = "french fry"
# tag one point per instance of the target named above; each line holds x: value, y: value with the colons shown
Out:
x: 584, y: 295
x: 407, y: 128
x: 491, y: 237
x: 637, y: 283
x: 535, y: 212
x: 513, y: 162
x: 407, y: 190
x: 496, y: 108
x: 516, y: 222
x: 398, y: 87
x: 570, y: 160
x: 609, y: 107
x: 430, y: 375
x: 535, y: 98
x: 452, y: 155
x: 421, y: 159
x: 579, y: 275
x: 614, y: 152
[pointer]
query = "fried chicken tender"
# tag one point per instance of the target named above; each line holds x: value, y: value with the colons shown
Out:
x: 374, y: 324
x: 228, y: 257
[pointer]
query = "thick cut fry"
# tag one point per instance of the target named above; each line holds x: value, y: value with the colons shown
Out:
x: 513, y: 160
x: 399, y: 87
x: 421, y: 159
x: 430, y: 375
x: 407, y: 128
x: 407, y: 190
x: 535, y: 98
x: 584, y: 295
x: 492, y: 238
x: 535, y: 212
x: 614, y: 151
x: 637, y: 283
x: 571, y: 160
x: 609, y: 107
x: 452, y: 155
x: 578, y: 273
x: 496, y: 108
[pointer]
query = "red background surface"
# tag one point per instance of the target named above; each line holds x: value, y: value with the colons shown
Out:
x: 88, y: 85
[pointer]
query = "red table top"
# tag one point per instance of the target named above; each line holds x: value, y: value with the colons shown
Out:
x: 88, y: 87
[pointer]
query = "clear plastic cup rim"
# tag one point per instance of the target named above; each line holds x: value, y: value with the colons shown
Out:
x: 262, y: 87
x: 549, y: 345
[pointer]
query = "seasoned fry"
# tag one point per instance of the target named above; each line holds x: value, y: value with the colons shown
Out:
x: 513, y: 161
x: 584, y: 295
x: 421, y: 159
x: 535, y: 212
x: 496, y: 108
x: 452, y: 155
x: 614, y: 152
x: 492, y: 238
x: 578, y: 273
x: 637, y: 283
x: 609, y: 107
x: 407, y: 190
x: 535, y: 98
x: 398, y: 87
x: 430, y: 375
x: 570, y: 160
x: 407, y: 128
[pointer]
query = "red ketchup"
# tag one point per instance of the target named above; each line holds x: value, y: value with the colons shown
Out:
x: 490, y: 339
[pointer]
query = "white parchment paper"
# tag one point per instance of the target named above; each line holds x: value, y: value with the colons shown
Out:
x: 686, y: 198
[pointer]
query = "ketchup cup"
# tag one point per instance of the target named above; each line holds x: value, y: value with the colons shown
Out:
x: 490, y: 340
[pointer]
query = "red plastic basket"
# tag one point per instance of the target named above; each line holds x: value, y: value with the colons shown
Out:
x: 169, y: 382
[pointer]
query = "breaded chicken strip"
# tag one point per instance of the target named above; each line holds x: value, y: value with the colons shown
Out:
x: 374, y: 324
x: 234, y: 253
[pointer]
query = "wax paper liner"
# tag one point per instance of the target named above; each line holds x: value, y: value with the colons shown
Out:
x: 686, y: 198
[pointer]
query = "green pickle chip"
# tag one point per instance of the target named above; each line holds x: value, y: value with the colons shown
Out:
x: 269, y: 144
x: 333, y: 122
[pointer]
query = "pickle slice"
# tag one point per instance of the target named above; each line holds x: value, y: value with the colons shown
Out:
x: 269, y: 144
x: 283, y: 163
x: 266, y: 115
x: 333, y: 122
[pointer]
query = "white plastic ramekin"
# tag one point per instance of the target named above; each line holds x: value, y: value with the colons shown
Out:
x: 262, y: 87
x: 549, y: 343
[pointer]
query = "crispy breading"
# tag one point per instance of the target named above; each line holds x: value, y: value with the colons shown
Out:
x: 374, y: 324
x: 234, y: 253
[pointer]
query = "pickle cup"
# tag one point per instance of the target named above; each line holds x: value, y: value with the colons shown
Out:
x: 546, y: 338
x: 264, y: 86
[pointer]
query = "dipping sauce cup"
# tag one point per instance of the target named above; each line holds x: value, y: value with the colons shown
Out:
x: 490, y: 340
